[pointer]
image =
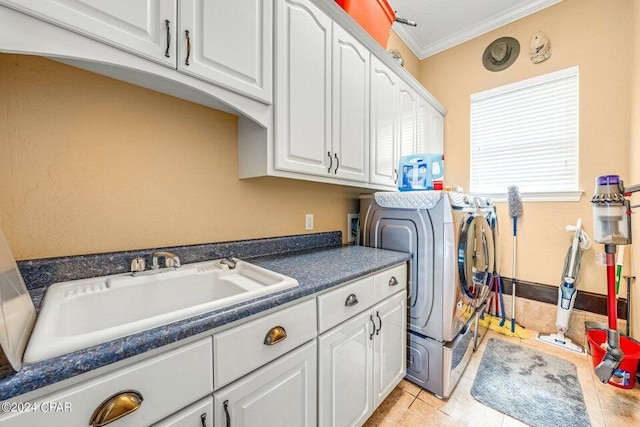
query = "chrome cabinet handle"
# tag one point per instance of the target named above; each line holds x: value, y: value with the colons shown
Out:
x: 275, y: 335
x: 203, y: 419
x: 351, y: 300
x: 116, y: 407
x: 167, y: 23
x: 225, y: 404
x: 395, y: 174
x: 379, y: 327
x: 393, y: 281
x: 186, y: 33
x: 330, y: 162
x: 374, y: 327
x: 337, y: 163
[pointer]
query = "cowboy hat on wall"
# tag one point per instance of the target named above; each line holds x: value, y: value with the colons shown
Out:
x: 501, y: 53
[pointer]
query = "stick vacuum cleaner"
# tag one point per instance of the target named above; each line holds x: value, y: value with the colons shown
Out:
x: 612, y: 227
x: 567, y: 291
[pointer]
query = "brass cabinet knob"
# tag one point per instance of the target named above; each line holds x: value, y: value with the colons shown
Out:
x: 275, y: 335
x: 116, y: 407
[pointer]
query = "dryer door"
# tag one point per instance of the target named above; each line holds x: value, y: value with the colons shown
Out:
x: 475, y: 258
x: 492, y: 218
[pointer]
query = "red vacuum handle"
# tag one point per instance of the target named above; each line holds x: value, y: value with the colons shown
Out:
x: 612, y: 308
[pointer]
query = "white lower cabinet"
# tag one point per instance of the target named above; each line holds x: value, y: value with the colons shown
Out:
x: 345, y: 374
x: 271, y: 371
x: 360, y: 362
x: 146, y: 391
x: 200, y: 414
x: 389, y: 346
x: 282, y: 393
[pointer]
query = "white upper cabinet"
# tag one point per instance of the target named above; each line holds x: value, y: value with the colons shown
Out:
x: 407, y: 100
x: 402, y: 123
x: 429, y: 128
x: 146, y: 28
x: 229, y: 43
x: 350, y: 125
x: 384, y: 136
x: 303, y: 98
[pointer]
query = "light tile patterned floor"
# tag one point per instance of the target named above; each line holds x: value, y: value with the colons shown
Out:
x: 408, y: 405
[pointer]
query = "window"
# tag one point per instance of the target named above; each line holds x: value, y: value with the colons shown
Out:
x: 526, y: 134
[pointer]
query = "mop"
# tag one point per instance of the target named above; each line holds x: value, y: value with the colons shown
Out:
x: 567, y: 290
x: 515, y: 210
x: 497, y: 323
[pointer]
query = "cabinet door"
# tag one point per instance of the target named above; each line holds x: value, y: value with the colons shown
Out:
x: 200, y: 414
x: 345, y: 373
x: 146, y: 28
x: 407, y: 102
x: 389, y: 346
x: 384, y: 90
x: 230, y: 44
x: 430, y: 127
x: 350, y: 127
x: 282, y: 393
x: 303, y: 93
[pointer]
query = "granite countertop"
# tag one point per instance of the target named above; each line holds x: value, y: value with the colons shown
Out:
x: 314, y: 269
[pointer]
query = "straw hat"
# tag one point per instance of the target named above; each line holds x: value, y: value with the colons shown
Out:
x: 501, y: 53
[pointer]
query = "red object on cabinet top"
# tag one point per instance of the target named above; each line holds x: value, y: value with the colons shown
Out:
x: 375, y: 16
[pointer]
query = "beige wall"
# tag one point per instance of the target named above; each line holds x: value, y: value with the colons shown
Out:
x: 91, y: 164
x: 411, y: 61
x: 634, y: 166
x: 594, y: 34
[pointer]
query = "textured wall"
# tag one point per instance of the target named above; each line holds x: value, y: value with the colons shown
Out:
x: 411, y: 61
x: 634, y: 168
x: 91, y: 164
x: 594, y: 34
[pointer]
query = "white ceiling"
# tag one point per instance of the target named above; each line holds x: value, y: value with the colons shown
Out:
x: 445, y: 23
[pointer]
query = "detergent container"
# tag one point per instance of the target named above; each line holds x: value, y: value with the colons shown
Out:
x: 417, y: 171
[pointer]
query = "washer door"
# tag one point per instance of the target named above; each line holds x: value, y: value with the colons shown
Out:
x: 475, y: 258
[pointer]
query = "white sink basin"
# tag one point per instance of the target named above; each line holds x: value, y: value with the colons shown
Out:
x: 82, y: 313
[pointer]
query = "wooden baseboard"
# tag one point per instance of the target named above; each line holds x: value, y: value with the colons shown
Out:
x: 587, y: 301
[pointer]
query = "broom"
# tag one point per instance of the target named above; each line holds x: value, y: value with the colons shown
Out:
x: 515, y: 210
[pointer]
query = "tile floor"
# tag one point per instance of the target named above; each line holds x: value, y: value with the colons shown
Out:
x: 409, y: 405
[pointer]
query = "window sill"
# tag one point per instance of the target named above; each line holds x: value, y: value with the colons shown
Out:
x: 555, y: 196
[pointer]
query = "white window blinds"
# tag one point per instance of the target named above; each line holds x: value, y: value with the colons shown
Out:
x: 526, y: 134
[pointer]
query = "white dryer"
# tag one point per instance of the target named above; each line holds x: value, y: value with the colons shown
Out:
x: 452, y: 249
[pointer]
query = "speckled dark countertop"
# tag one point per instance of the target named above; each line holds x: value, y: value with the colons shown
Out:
x: 315, y: 270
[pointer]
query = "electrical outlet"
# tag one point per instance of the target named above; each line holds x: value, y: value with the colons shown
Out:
x: 352, y: 227
x: 308, y: 222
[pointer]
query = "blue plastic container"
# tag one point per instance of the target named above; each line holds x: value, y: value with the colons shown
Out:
x: 417, y: 171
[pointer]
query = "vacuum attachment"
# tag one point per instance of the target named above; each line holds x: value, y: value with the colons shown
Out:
x: 612, y: 358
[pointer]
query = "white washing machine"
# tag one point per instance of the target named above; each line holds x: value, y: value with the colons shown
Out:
x: 452, y: 249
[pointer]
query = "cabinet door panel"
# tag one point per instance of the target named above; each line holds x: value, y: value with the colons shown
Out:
x: 303, y: 107
x: 389, y: 346
x: 350, y: 125
x: 231, y: 44
x: 138, y: 27
x: 384, y: 88
x: 430, y: 127
x: 283, y: 393
x: 345, y: 373
x: 406, y: 120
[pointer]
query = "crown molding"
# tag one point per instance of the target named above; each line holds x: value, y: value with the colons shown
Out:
x: 483, y: 27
